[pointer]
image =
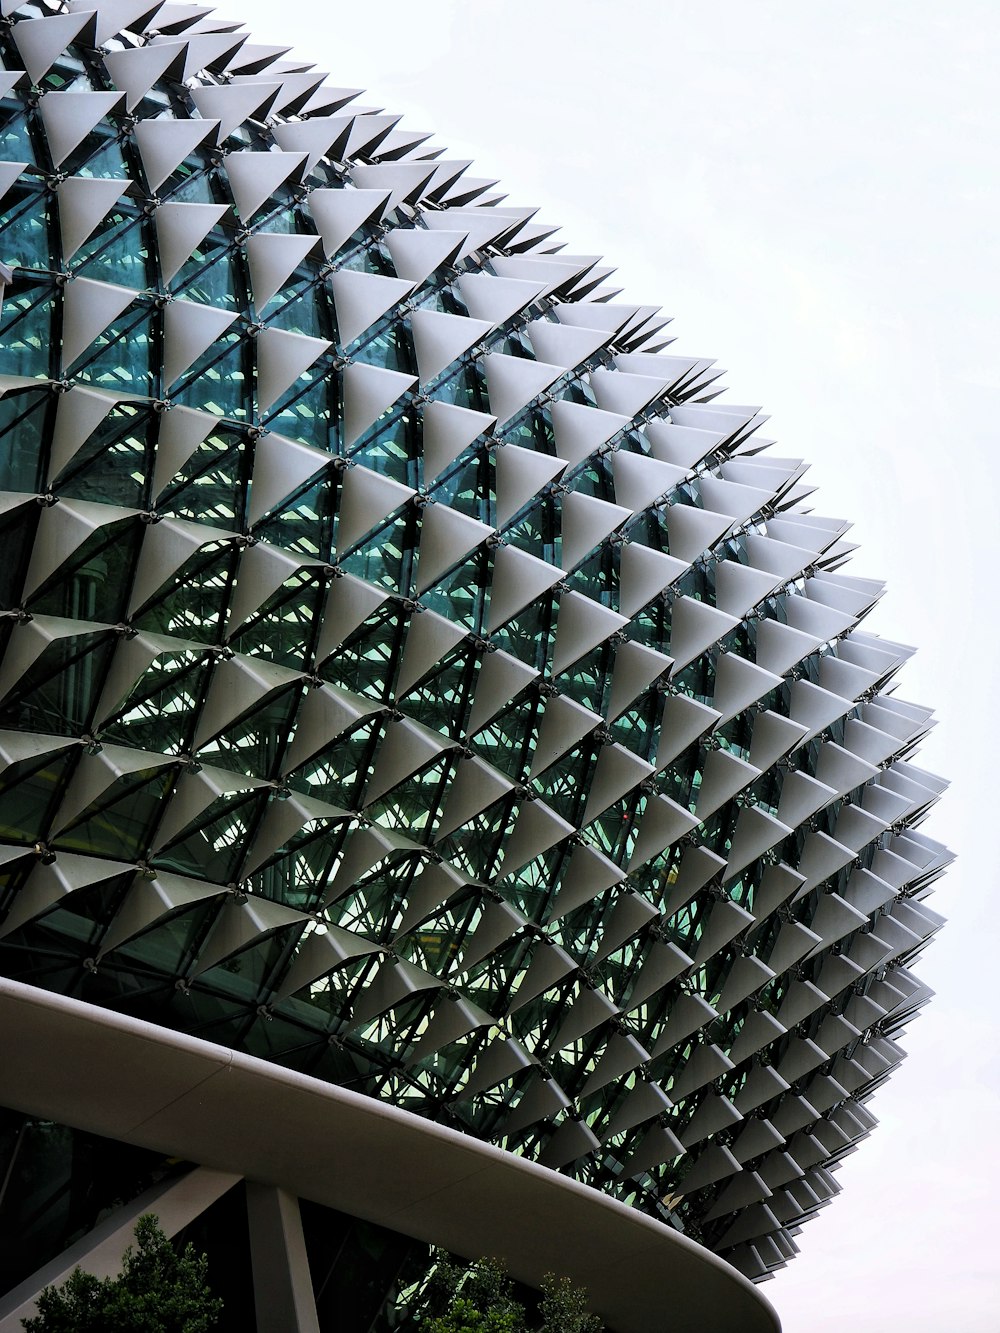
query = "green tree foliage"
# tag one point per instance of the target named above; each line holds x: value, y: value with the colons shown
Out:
x: 479, y: 1298
x: 158, y: 1291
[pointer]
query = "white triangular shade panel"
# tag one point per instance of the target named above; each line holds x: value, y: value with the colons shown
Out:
x: 114, y: 16
x: 182, y: 430
x: 230, y: 104
x: 501, y: 677
x: 693, y: 531
x: 88, y: 308
x: 272, y: 257
x: 646, y: 573
x: 513, y: 381
x: 403, y: 180
x: 262, y: 571
x: 640, y: 480
x: 496, y: 299
x: 586, y: 521
x: 449, y: 430
x: 583, y: 624
x: 518, y: 578
x: 281, y: 466
x: 40, y: 42
x: 135, y: 69
x: 189, y: 330
x: 79, y: 412
x: 63, y: 529
x: 636, y: 668
x: 281, y: 358
x: 320, y: 136
x: 562, y: 344
x: 255, y: 177
x: 84, y: 203
x: 164, y: 144
x: 69, y: 117
x: 416, y: 253
x: 180, y: 229
x: 521, y: 474
x: 338, y: 214
x: 446, y: 537
x: 440, y: 339
x: 367, y: 499
x: 579, y: 429
x: 564, y: 724
x: 429, y: 639
x: 362, y: 298
x: 480, y: 225
x: 368, y: 392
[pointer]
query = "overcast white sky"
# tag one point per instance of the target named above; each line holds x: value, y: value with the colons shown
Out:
x: 811, y: 189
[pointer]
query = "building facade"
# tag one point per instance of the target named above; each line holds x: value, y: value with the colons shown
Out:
x: 424, y: 700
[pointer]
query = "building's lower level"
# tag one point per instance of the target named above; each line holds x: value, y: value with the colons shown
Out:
x: 317, y: 1207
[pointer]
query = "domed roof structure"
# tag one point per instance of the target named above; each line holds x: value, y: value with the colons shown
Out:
x: 413, y: 674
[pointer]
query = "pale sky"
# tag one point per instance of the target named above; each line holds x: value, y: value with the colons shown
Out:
x: 811, y: 190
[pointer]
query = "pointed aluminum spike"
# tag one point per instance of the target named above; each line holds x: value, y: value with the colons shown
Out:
x: 429, y: 639
x: 518, y: 579
x: 512, y: 382
x: 262, y: 570
x: 536, y: 829
x: 255, y: 177
x: 84, y: 203
x: 164, y: 144
x: 501, y: 677
x: 644, y: 574
x: 588, y: 873
x: 69, y: 117
x: 682, y: 722
x: 405, y: 181
x: 326, y: 713
x: 580, y: 429
x: 349, y: 603
x: 663, y: 823
x: 114, y: 16
x: 692, y: 531
x: 564, y: 723
x: 281, y: 466
x: 616, y: 391
x: 97, y: 774
x: 448, y: 430
x: 636, y: 668
x: 367, y: 499
x: 189, y: 330
x: 440, y: 339
x: 497, y: 299
x: 417, y: 252
x: 88, y: 308
x: 586, y: 522
x: 361, y: 299
x: 694, y: 627
x: 237, y: 687
x: 136, y: 68
x: 272, y: 257
x: 281, y: 358
x: 49, y: 884
x: 406, y: 748
x: 40, y: 42
x: 369, y: 391
x: 284, y: 819
x: 254, y: 58
x: 182, y: 430
x: 233, y: 104
x: 79, y: 412
x: 180, y: 229
x: 166, y: 546
x: 63, y: 529
x: 338, y: 214
x: 318, y: 137
x: 639, y: 479
x: 446, y: 537
x: 521, y: 475
x: 563, y: 344
x: 205, y: 50
x: 582, y: 625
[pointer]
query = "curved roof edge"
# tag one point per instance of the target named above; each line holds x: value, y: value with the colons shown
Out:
x: 130, y: 1080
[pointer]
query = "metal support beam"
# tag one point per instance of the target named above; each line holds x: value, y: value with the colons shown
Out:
x: 282, y: 1286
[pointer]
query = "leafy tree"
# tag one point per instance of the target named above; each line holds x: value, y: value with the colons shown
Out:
x: 479, y: 1298
x: 158, y: 1291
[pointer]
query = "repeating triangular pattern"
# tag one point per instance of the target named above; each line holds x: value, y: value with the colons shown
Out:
x: 412, y: 674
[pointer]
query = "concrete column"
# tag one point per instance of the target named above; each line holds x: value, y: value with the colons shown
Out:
x: 282, y: 1285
